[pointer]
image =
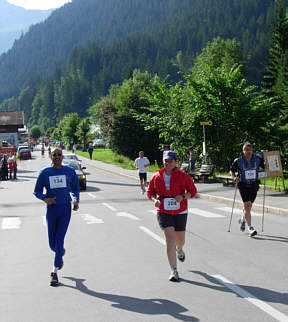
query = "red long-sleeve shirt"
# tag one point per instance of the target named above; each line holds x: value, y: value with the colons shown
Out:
x: 180, y: 183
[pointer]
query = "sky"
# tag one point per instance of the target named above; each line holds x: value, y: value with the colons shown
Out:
x: 39, y: 4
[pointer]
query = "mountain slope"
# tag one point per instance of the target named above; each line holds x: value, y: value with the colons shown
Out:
x: 15, y: 20
x: 47, y: 45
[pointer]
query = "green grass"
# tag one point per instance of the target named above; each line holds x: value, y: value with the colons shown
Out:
x: 108, y: 156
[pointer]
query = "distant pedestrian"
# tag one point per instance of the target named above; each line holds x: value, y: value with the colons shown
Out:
x: 141, y: 163
x: 59, y: 182
x: 10, y: 166
x: 191, y: 159
x: 4, y: 167
x: 90, y: 151
x: 246, y: 168
x: 14, y: 168
x: 74, y: 148
x: 169, y: 190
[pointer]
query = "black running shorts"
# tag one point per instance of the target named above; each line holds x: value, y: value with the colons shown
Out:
x: 176, y: 221
x: 143, y: 176
x: 248, y: 193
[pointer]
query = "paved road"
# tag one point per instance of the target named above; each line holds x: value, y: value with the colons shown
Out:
x: 115, y: 263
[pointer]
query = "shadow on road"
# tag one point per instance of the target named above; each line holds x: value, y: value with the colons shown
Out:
x: 263, y: 294
x: 116, y: 183
x: 134, y: 304
x: 271, y: 238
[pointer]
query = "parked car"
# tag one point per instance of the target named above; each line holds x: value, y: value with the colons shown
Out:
x: 25, y: 154
x: 21, y: 147
x: 98, y: 143
x: 79, y: 171
x: 70, y: 156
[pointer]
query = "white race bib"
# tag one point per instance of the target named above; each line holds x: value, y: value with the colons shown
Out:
x: 57, y: 182
x: 171, y: 204
x: 250, y: 174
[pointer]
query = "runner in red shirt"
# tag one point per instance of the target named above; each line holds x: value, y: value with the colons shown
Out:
x: 169, y: 190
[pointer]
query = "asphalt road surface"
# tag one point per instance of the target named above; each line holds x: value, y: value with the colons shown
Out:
x: 116, y: 267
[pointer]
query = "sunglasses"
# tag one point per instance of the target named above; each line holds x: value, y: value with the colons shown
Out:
x: 56, y: 154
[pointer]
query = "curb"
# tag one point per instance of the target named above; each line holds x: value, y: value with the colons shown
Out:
x: 227, y: 201
x: 239, y: 204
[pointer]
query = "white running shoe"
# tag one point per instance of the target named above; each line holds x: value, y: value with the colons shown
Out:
x: 180, y: 254
x: 174, y: 276
x: 252, y: 231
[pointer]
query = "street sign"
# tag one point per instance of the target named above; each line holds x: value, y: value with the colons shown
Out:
x: 209, y: 123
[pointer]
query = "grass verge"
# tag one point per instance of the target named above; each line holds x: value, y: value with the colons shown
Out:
x: 108, y: 156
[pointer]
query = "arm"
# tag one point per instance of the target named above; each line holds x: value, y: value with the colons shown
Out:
x: 75, y: 191
x: 38, y: 190
x: 147, y: 164
x: 151, y: 193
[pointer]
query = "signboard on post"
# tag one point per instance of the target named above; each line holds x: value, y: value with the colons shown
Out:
x: 273, y: 164
x: 209, y: 123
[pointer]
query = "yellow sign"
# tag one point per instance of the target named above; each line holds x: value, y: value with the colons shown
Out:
x: 206, y: 123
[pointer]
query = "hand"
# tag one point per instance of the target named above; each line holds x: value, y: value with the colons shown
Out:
x: 157, y: 203
x: 50, y: 201
x: 236, y: 180
x: 75, y: 205
x: 179, y: 198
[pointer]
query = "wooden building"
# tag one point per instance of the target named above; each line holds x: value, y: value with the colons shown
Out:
x: 10, y: 122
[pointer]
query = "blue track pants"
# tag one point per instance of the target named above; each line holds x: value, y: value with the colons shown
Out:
x: 58, y: 218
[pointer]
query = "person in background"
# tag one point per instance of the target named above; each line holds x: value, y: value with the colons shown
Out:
x: 141, y: 164
x: 90, y: 150
x: 74, y: 148
x: 4, y: 167
x: 14, y: 168
x: 10, y: 166
x: 191, y: 159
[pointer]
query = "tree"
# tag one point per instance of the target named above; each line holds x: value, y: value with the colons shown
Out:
x: 83, y: 130
x: 68, y: 126
x: 35, y: 132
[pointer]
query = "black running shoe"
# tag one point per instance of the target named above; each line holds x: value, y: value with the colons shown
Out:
x: 242, y: 225
x: 54, y: 280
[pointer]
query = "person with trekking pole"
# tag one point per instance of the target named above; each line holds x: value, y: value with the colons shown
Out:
x: 247, y: 168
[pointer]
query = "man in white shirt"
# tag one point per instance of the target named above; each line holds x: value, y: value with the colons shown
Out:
x: 141, y: 164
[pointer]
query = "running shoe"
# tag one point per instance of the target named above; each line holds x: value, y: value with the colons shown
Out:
x: 54, y: 279
x: 242, y: 224
x: 143, y: 191
x: 252, y: 232
x: 180, y: 254
x: 174, y: 276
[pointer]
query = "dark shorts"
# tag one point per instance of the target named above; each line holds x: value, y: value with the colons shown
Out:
x: 176, y: 221
x: 143, y: 176
x: 248, y: 193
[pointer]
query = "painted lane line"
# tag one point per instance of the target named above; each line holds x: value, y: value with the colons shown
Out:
x: 238, y: 211
x: 153, y: 235
x: 91, y: 219
x: 44, y: 221
x: 126, y: 214
x: 204, y: 213
x: 109, y: 206
x: 154, y: 212
x: 279, y: 316
x: 11, y: 223
x: 91, y: 195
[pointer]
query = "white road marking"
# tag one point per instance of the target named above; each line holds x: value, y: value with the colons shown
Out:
x: 204, y: 213
x: 91, y: 219
x: 11, y: 223
x: 154, y: 212
x: 279, y: 316
x: 44, y: 221
x: 126, y: 214
x: 109, y: 206
x: 238, y: 211
x: 91, y: 195
x: 153, y: 235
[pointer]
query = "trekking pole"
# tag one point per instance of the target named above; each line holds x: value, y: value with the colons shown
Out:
x: 231, y: 215
x: 263, y: 204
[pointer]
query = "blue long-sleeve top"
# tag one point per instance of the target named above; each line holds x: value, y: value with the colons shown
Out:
x: 60, y: 183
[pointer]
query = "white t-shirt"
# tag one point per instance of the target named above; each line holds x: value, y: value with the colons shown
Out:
x: 140, y: 164
x: 167, y: 179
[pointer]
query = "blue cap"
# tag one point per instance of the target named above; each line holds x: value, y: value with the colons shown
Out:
x: 169, y: 155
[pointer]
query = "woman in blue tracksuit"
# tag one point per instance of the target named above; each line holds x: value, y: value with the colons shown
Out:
x: 60, y: 182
